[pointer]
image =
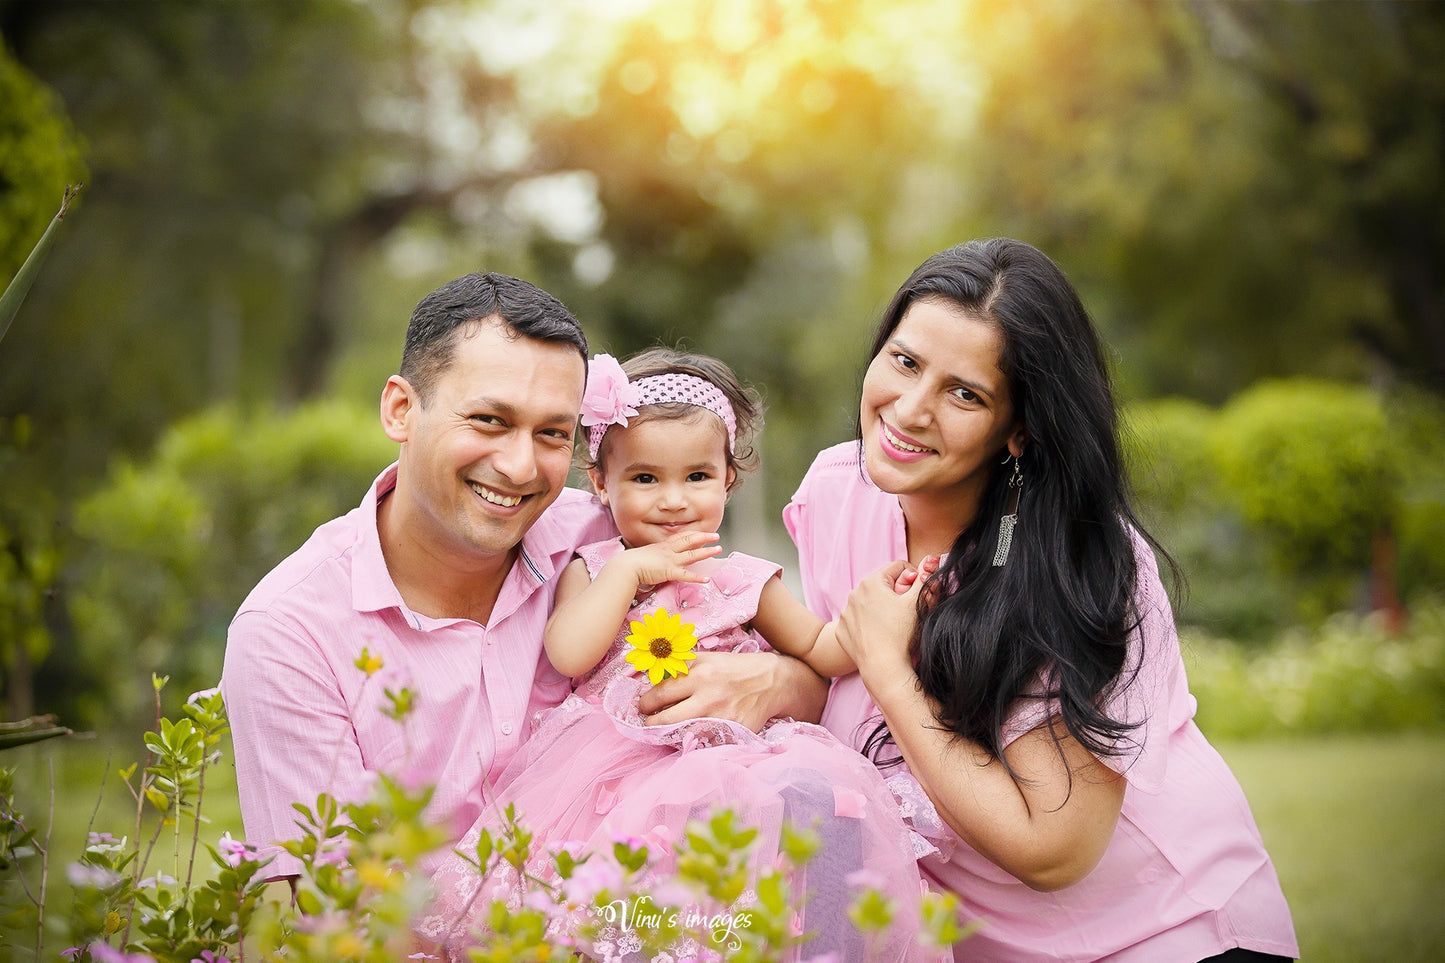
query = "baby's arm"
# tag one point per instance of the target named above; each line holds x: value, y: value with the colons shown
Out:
x: 791, y: 628
x: 588, y: 612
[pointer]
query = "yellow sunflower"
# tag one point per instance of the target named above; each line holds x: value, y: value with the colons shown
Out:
x: 661, y: 645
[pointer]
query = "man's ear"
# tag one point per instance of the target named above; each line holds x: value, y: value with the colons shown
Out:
x: 599, y: 484
x: 398, y: 401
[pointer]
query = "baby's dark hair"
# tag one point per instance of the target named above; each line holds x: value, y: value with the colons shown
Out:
x: 746, y: 404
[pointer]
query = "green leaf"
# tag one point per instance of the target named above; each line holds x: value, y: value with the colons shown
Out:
x: 19, y: 286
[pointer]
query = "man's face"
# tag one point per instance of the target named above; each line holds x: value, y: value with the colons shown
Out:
x: 490, y: 449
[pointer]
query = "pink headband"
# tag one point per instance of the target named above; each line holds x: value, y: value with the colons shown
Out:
x: 611, y: 399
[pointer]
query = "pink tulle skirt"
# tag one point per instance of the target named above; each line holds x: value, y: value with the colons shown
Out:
x: 588, y: 778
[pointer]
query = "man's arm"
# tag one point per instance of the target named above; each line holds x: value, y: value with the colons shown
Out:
x: 748, y: 687
x: 291, y: 730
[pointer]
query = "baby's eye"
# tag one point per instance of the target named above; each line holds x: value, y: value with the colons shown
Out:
x: 698, y: 476
x: 644, y: 478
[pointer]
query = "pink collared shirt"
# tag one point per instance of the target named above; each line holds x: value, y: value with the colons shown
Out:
x: 1185, y: 876
x: 305, y: 720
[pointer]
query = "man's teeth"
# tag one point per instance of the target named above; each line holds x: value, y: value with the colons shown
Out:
x: 899, y: 443
x: 496, y: 498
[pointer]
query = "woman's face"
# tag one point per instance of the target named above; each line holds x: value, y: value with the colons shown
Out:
x: 936, y: 411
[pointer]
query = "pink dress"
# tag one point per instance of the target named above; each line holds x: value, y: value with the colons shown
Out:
x: 592, y: 773
x: 1186, y: 875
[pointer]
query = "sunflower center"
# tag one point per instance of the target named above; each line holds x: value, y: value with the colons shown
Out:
x: 660, y: 648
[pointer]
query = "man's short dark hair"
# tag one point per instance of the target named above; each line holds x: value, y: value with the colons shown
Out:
x: 440, y: 316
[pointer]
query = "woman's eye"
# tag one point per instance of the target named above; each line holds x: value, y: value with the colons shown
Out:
x: 904, y: 361
x: 963, y: 394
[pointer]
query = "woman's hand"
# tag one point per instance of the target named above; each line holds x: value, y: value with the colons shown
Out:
x: 879, y: 620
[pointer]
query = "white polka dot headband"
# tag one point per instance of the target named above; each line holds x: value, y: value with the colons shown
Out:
x: 611, y: 399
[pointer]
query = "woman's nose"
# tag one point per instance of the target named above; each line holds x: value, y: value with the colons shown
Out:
x: 911, y: 407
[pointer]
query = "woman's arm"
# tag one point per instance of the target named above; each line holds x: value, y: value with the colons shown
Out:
x: 588, y: 612
x: 790, y: 627
x: 1049, y: 824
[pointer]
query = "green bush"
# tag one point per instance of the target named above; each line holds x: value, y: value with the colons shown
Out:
x: 169, y: 548
x: 1351, y: 675
x: 1274, y: 505
x: 1232, y: 589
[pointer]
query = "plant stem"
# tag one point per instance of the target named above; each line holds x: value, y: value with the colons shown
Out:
x: 196, y: 834
x: 140, y: 802
x: 19, y: 286
x: 45, y: 866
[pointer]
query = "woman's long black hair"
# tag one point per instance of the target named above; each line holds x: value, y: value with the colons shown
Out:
x: 1061, y: 609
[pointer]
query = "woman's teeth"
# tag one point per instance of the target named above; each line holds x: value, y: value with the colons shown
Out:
x: 898, y: 443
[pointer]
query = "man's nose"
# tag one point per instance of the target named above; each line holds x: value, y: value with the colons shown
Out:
x: 516, y: 458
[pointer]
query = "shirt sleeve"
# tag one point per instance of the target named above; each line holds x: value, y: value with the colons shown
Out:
x: 798, y: 519
x: 291, y: 732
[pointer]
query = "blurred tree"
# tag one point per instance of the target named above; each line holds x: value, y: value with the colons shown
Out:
x: 1247, y: 189
x: 39, y: 156
x: 171, y: 545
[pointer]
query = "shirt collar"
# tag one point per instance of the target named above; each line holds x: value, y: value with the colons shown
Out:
x: 546, y: 547
x: 371, y: 586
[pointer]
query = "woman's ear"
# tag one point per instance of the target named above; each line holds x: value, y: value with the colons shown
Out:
x: 599, y: 485
x: 398, y: 400
x: 1018, y: 441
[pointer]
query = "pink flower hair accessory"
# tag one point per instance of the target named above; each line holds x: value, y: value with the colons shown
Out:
x: 611, y: 399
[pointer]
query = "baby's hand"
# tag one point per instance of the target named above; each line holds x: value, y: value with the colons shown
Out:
x: 909, y: 575
x: 667, y: 560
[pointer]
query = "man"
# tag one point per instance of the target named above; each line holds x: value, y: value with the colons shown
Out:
x: 444, y: 575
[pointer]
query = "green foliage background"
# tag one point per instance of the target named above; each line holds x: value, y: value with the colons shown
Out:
x: 1249, y: 197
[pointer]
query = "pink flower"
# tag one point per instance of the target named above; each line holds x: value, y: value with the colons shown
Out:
x: 610, y: 399
x: 849, y: 803
x: 866, y: 879
x: 591, y: 878
x: 233, y: 851
x: 208, y: 957
x: 195, y: 697
x: 105, y: 953
x: 729, y: 581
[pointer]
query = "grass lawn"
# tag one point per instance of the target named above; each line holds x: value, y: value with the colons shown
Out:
x: 1355, y: 824
x: 1356, y: 828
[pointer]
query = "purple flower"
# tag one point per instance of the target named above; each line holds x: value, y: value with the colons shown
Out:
x: 72, y: 953
x: 105, y: 953
x: 233, y: 851
x: 195, y: 697
x: 89, y: 875
x: 208, y: 957
x: 610, y: 399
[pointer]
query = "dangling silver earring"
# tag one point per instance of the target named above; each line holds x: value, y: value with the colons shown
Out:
x: 1007, y: 522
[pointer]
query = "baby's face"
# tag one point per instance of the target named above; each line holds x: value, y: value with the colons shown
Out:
x: 666, y: 475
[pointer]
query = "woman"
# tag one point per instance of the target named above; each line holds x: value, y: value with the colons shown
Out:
x: 1031, y: 678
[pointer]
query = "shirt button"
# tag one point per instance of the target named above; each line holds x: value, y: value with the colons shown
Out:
x: 507, y: 729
